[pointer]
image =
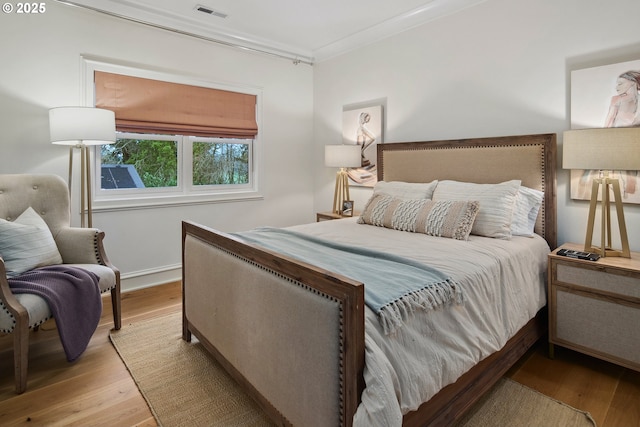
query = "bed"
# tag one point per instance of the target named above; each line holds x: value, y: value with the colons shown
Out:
x: 300, y: 339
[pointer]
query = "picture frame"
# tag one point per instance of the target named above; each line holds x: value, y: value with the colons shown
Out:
x: 362, y: 125
x: 595, y: 103
x: 347, y: 208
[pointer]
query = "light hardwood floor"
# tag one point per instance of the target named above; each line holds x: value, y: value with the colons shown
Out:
x: 97, y: 389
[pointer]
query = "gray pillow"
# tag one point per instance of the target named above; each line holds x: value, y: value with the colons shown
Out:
x: 27, y: 243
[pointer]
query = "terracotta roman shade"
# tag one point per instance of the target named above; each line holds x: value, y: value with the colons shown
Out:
x: 154, y: 106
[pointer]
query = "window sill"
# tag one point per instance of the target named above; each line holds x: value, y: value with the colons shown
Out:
x: 155, y: 201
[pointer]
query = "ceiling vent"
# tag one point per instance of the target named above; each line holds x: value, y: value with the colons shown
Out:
x: 210, y: 11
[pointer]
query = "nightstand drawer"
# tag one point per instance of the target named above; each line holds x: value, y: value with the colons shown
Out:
x: 594, y: 307
x: 598, y: 326
x: 598, y: 279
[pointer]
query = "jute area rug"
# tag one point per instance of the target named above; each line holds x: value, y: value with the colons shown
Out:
x: 184, y: 386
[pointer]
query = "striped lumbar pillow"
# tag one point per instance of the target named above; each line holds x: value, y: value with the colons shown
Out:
x: 443, y: 218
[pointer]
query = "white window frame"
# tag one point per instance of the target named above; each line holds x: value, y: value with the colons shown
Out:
x: 220, y: 188
x: 153, y: 192
x: 186, y: 193
x: 184, y: 171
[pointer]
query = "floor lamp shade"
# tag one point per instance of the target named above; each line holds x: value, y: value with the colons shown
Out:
x: 80, y: 127
x: 342, y: 156
x: 604, y: 149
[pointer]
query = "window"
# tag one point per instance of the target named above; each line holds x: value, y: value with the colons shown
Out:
x: 155, y: 161
x: 220, y: 162
x: 140, y: 161
x: 147, y: 166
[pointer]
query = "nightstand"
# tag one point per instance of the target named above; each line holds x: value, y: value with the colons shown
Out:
x: 594, y: 306
x: 322, y: 216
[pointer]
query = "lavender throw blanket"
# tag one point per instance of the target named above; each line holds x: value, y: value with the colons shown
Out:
x: 74, y: 298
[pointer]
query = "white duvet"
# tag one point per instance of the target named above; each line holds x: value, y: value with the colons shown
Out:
x: 503, y: 283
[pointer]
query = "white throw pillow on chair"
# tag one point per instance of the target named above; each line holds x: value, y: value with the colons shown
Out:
x: 27, y: 243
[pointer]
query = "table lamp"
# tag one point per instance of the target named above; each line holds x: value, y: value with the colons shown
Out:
x: 81, y: 127
x: 605, y: 150
x: 341, y: 156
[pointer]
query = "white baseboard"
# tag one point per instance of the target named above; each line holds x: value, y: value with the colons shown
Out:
x: 152, y: 277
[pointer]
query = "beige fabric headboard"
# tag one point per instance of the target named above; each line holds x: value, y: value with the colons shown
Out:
x: 529, y: 158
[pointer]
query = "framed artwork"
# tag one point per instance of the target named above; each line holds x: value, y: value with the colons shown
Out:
x: 363, y: 127
x: 347, y: 208
x: 606, y: 96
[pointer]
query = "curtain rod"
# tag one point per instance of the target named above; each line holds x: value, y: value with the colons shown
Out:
x: 292, y: 58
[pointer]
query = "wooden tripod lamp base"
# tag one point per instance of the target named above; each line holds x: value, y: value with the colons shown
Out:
x: 604, y: 150
x: 341, y: 192
x: 606, y: 184
x: 342, y: 156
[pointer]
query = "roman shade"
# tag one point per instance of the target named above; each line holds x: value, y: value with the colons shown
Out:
x: 154, y: 106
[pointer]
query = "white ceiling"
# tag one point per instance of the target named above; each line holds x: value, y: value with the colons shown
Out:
x: 310, y: 30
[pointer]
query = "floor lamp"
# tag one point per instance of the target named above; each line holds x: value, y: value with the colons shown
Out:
x: 81, y: 127
x: 604, y: 150
x: 341, y: 156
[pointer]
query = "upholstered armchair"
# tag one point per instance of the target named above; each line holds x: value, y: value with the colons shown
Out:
x: 48, y: 196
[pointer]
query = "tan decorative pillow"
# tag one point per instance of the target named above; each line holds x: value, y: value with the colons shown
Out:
x: 443, y: 218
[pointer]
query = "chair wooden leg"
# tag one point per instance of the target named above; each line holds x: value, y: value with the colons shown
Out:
x: 115, y: 304
x: 21, y: 354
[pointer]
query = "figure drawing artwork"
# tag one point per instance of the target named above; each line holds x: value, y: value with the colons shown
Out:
x: 363, y: 127
x: 606, y: 96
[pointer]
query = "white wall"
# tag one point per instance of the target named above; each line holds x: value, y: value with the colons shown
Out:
x: 40, y: 69
x: 499, y: 68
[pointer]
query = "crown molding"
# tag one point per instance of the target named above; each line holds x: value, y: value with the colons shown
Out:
x: 155, y: 17
x: 398, y: 24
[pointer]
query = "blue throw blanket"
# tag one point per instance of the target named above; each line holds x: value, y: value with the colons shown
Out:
x: 394, y: 286
x: 74, y: 298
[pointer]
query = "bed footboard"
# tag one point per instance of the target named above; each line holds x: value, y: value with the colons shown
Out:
x: 305, y: 371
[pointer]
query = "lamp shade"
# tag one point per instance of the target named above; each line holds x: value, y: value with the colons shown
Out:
x: 342, y: 156
x: 82, y: 126
x: 603, y: 149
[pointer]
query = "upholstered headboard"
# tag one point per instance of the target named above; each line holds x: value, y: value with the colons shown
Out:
x: 529, y: 158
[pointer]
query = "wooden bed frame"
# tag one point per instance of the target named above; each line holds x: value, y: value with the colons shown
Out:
x: 293, y: 335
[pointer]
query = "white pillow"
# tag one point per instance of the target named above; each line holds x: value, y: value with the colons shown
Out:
x: 406, y: 190
x: 525, y: 213
x: 497, y: 202
x: 27, y: 243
